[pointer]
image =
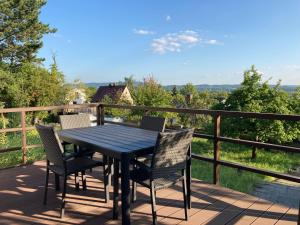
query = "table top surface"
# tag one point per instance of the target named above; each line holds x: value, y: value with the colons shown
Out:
x: 112, y: 140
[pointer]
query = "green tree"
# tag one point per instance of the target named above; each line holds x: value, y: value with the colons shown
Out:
x: 21, y: 31
x: 295, y: 101
x: 151, y: 93
x: 174, y: 91
x: 255, y: 96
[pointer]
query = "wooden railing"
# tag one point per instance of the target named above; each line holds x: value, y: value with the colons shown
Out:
x: 216, y: 137
x: 24, y: 128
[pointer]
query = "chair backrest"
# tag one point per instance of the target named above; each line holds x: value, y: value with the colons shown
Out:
x: 74, y: 121
x: 153, y: 123
x: 170, y: 153
x: 51, y: 143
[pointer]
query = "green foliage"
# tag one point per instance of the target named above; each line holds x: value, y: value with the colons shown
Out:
x: 3, y: 124
x: 189, y: 97
x: 295, y: 101
x: 151, y: 93
x: 21, y: 31
x: 281, y: 162
x: 254, y: 96
x: 31, y: 85
x: 36, y: 86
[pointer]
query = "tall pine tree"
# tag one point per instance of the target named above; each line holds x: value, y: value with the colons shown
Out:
x: 21, y: 31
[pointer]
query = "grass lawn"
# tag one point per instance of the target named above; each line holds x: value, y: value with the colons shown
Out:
x: 236, y: 179
x: 232, y: 178
x: 9, y: 159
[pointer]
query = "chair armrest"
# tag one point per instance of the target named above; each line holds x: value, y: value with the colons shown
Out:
x: 69, y: 156
x: 141, y: 165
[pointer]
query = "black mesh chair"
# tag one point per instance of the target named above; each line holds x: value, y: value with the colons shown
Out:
x: 80, y: 121
x: 58, y: 164
x: 76, y: 121
x: 153, y: 123
x: 167, y: 167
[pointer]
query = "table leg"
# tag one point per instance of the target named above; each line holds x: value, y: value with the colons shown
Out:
x: 125, y: 189
x: 106, y: 177
x: 116, y: 189
x: 189, y: 176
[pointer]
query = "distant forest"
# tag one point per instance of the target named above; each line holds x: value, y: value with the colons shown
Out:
x: 206, y: 87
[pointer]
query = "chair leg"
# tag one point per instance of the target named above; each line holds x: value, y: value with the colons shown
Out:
x: 153, y: 204
x: 91, y: 170
x: 76, y: 182
x: 46, y: 186
x: 134, y: 187
x: 83, y: 178
x: 133, y: 193
x: 63, y: 201
x: 184, y: 187
x: 57, y: 183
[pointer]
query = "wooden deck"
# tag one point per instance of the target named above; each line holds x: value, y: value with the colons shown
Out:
x: 21, y: 194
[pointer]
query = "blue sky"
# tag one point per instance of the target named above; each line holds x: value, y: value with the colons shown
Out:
x: 177, y: 41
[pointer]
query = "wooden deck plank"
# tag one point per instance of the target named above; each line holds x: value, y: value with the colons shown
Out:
x: 272, y: 215
x: 21, y: 193
x: 289, y: 218
x: 249, y: 215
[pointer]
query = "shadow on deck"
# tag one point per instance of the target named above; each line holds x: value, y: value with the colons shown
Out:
x: 21, y: 194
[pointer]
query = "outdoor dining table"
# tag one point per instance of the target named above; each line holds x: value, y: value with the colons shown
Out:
x: 121, y: 143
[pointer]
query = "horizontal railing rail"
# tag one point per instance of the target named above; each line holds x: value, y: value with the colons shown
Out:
x: 24, y: 128
x: 217, y: 138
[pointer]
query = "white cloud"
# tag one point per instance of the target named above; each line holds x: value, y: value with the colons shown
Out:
x: 174, y: 42
x: 143, y: 32
x: 168, y: 18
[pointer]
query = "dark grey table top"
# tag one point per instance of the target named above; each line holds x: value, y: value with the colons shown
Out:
x: 112, y: 140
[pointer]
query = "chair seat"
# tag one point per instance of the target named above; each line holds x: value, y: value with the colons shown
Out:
x: 76, y: 165
x: 142, y: 177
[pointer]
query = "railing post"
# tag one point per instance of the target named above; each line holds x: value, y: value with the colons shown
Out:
x: 146, y: 112
x: 23, y: 135
x: 100, y: 114
x: 217, y: 131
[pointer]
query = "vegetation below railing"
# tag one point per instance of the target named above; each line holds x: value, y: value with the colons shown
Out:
x: 243, y: 181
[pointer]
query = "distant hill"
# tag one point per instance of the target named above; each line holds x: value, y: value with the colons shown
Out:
x: 205, y: 87
x: 208, y: 87
x: 227, y: 87
x: 96, y: 85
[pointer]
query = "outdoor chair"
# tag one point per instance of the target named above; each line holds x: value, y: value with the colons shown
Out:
x: 153, y: 123
x: 60, y: 165
x: 76, y: 121
x: 167, y: 166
